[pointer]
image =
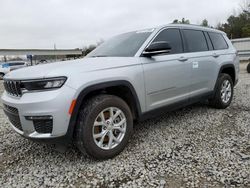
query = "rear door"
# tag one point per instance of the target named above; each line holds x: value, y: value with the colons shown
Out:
x: 203, y: 63
x: 167, y: 76
x: 221, y: 53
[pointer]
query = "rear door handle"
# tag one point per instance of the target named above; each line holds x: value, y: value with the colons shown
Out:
x: 216, y: 55
x: 183, y: 59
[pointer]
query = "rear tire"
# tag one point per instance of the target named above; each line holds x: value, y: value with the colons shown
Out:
x: 99, y: 132
x: 223, y: 92
x: 248, y: 68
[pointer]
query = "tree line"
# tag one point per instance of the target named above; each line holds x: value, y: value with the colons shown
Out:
x: 236, y: 26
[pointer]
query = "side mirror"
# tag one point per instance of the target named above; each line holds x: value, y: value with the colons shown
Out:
x: 157, y: 48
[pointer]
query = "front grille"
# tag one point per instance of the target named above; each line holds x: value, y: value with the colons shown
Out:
x: 43, y: 126
x: 13, y: 87
x: 13, y: 116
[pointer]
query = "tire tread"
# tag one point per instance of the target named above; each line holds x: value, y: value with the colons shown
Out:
x: 216, y: 101
x: 85, y: 114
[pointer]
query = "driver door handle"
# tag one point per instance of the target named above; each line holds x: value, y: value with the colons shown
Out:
x: 216, y: 55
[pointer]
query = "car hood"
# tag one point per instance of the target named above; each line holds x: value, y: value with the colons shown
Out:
x: 66, y: 68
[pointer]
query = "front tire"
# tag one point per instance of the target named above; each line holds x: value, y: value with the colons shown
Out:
x: 223, y: 92
x: 104, y: 126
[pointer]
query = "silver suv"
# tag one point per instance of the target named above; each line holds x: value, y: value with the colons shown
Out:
x: 94, y: 101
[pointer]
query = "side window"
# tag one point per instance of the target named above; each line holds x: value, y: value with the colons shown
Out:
x: 173, y: 37
x: 209, y: 43
x: 218, y: 41
x: 20, y: 63
x: 196, y: 41
x: 16, y: 64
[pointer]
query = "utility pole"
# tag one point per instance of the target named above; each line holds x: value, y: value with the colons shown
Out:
x: 55, y: 52
x: 31, y: 60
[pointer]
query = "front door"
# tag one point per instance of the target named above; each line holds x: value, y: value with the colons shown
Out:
x: 167, y: 76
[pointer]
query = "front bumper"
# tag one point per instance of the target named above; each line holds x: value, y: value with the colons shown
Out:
x: 54, y: 104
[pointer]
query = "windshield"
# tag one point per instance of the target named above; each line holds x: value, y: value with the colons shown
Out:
x: 124, y: 45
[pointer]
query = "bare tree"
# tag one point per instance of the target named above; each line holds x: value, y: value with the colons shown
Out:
x: 245, y: 6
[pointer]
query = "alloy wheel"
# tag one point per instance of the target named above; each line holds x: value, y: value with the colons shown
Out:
x: 109, y: 128
x: 226, y: 91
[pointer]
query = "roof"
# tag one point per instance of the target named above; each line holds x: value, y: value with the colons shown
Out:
x: 192, y: 26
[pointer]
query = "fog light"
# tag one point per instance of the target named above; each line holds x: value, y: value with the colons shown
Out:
x: 38, y: 117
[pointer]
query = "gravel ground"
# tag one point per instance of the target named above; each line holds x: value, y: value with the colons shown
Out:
x: 193, y: 147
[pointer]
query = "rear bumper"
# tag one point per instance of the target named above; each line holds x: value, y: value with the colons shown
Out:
x: 53, y: 106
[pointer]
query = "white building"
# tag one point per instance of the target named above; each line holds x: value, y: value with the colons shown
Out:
x: 243, y: 47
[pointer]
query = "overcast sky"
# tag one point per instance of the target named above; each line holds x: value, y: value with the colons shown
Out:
x: 77, y: 23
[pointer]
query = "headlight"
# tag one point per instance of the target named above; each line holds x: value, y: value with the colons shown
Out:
x: 43, y: 84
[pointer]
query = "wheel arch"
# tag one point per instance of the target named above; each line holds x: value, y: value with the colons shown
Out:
x: 230, y: 70
x: 120, y: 88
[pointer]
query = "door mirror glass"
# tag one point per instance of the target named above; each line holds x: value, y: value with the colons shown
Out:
x: 156, y: 48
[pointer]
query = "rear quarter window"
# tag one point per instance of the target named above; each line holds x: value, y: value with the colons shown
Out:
x: 218, y: 41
